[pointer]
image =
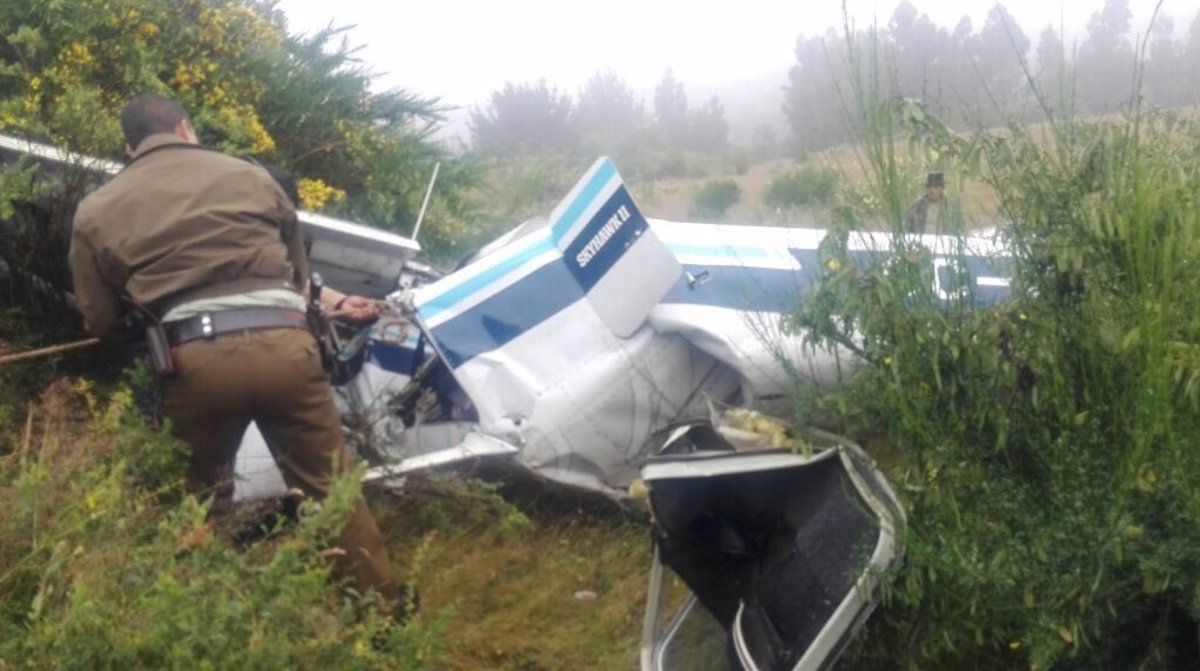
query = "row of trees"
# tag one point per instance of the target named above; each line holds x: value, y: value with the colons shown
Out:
x: 605, y: 117
x: 979, y: 78
x: 971, y: 78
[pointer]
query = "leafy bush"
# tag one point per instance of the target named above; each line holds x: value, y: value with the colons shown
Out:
x: 806, y: 186
x: 714, y: 198
x: 96, y: 573
x: 1045, y: 446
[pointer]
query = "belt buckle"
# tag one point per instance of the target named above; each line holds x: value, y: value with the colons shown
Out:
x: 206, y: 326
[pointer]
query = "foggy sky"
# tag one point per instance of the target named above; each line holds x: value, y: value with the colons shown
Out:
x: 462, y: 51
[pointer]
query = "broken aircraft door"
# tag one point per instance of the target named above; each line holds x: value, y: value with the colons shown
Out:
x: 782, y: 552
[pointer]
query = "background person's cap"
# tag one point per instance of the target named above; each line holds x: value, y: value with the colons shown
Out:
x: 934, y: 179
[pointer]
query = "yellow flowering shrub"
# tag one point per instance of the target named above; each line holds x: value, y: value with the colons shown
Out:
x: 68, y: 68
x: 208, y: 54
x: 315, y: 194
x: 244, y: 128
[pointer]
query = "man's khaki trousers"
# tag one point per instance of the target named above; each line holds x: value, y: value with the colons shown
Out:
x: 274, y: 377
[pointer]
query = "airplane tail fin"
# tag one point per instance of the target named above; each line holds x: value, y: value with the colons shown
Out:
x: 610, y: 250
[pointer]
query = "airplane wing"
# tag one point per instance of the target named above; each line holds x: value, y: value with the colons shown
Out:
x: 353, y: 258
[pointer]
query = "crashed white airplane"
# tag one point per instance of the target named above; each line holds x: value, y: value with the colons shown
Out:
x: 570, y: 341
x: 590, y: 348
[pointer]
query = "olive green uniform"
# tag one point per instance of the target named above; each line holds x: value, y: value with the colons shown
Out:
x: 184, y: 223
x: 918, y: 215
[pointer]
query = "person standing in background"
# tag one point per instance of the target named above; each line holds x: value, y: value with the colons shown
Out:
x: 918, y: 214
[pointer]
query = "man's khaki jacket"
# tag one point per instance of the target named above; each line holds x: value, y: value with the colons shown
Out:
x: 181, y: 222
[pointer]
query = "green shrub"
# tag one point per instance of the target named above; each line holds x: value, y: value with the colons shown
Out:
x: 666, y: 165
x: 714, y: 198
x: 1045, y: 446
x: 96, y: 572
x: 806, y: 186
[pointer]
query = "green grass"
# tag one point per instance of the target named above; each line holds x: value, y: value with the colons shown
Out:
x: 506, y: 577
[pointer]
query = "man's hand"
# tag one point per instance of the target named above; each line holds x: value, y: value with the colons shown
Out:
x: 356, y: 309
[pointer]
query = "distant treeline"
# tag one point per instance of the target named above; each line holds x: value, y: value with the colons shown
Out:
x: 979, y: 78
x: 967, y: 77
x: 606, y: 117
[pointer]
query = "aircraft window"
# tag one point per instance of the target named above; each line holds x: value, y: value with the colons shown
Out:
x: 696, y: 642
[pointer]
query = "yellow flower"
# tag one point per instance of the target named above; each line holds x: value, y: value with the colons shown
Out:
x: 314, y: 193
x: 79, y: 54
x: 1146, y: 479
x: 244, y: 127
x: 214, y: 96
x: 263, y: 142
x: 187, y: 76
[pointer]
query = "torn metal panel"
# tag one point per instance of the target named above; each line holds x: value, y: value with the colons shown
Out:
x: 783, y: 552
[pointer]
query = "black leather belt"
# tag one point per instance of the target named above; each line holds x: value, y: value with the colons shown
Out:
x: 209, y: 325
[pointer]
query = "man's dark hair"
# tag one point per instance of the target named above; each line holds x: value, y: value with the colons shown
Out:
x: 148, y: 114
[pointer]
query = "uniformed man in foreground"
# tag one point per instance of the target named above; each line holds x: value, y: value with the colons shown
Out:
x: 209, y: 244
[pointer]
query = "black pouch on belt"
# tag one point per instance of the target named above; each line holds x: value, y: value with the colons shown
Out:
x: 318, y: 323
x: 159, y: 350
